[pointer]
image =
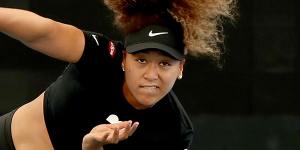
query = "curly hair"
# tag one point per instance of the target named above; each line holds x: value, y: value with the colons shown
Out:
x: 201, y: 20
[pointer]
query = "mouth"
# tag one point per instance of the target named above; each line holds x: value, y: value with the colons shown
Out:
x: 149, y: 89
x: 149, y: 86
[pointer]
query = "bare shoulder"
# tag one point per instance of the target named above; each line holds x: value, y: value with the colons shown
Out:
x: 28, y: 127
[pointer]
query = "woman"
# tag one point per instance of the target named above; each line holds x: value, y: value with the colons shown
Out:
x: 129, y: 83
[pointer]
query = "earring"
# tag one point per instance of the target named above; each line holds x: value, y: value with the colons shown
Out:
x: 180, y: 76
x: 123, y: 68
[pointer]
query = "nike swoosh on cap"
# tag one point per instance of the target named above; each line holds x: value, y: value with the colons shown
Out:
x: 151, y: 34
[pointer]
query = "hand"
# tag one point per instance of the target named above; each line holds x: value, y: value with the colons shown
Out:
x: 108, y: 134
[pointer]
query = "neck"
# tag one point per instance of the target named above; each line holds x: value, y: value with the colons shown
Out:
x: 131, y: 99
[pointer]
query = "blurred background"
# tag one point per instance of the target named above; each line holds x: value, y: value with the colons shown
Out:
x: 253, y: 103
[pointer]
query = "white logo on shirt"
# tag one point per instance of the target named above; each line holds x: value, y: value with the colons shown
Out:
x: 151, y: 34
x: 94, y: 36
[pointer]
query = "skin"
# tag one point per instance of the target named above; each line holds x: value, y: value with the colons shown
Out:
x: 149, y: 76
x: 108, y: 134
x: 66, y: 43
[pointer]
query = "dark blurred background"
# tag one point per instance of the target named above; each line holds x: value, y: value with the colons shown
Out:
x: 253, y: 103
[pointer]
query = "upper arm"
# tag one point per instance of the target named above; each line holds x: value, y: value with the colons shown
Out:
x: 60, y: 41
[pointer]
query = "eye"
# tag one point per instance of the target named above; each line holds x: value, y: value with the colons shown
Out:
x: 141, y: 61
x: 165, y: 64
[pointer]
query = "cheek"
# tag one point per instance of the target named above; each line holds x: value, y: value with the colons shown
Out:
x: 169, y: 80
x: 131, y: 78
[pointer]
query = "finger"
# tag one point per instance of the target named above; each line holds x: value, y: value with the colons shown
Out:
x: 133, y: 128
x: 112, y: 133
x: 123, y: 127
x: 123, y: 124
x: 124, y: 133
x: 113, y: 137
x: 101, y: 128
x: 100, y: 136
x: 105, y: 133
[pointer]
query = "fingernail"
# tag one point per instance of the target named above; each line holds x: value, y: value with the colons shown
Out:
x: 137, y: 123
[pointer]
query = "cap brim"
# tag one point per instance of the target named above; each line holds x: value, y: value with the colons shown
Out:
x: 151, y: 45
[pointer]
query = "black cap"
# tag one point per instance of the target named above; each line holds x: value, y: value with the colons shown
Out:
x: 156, y: 37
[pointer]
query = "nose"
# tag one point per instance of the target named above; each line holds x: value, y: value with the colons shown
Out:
x: 151, y: 72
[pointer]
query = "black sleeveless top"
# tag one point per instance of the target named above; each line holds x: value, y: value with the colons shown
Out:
x: 89, y: 91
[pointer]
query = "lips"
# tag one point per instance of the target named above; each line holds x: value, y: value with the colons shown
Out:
x: 149, y: 86
x: 149, y: 89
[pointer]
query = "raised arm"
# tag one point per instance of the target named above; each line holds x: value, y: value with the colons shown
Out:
x: 57, y: 40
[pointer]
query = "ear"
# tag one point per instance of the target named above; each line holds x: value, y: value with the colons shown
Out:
x: 124, y: 57
x: 181, y: 65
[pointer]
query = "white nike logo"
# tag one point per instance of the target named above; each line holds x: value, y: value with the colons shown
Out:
x: 94, y: 36
x: 151, y: 34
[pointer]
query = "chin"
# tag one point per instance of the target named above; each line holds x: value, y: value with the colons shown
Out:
x: 147, y: 102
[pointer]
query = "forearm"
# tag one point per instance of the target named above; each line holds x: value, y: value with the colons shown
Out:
x: 23, y: 25
x: 55, y: 39
x: 89, y: 143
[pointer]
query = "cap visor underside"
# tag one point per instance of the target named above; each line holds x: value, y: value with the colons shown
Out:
x: 142, y: 46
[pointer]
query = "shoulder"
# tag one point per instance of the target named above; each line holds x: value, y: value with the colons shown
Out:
x: 99, y: 49
x: 102, y: 42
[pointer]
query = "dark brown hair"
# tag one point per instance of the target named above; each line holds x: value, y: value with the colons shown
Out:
x: 201, y: 20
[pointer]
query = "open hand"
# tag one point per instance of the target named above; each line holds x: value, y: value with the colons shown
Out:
x: 108, y: 134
